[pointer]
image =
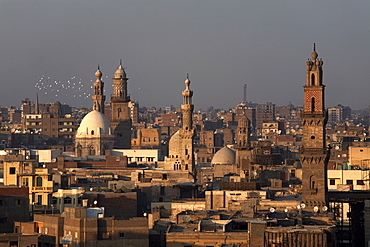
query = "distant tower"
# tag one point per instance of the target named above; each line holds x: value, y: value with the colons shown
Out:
x: 314, y: 154
x: 120, y: 119
x: 181, y: 144
x: 98, y: 97
x: 245, y: 94
x: 37, y: 106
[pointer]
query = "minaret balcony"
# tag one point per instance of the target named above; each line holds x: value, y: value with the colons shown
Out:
x: 115, y: 98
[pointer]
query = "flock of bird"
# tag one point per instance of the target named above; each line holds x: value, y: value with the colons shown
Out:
x: 72, y: 87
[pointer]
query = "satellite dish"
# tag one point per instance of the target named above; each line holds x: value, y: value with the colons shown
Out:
x: 298, y: 207
x: 303, y: 205
x: 272, y: 210
x: 316, y: 209
x: 286, y: 210
x: 67, y: 239
x: 95, y: 202
x: 324, y: 208
x: 186, y: 218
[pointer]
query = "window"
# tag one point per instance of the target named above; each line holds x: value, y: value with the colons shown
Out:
x: 17, y: 202
x: 54, y: 200
x: 3, y: 220
x: 67, y: 200
x: 360, y: 182
x: 39, y: 181
x: 121, y: 234
x: 349, y: 182
x: 12, y: 170
x: 332, y: 181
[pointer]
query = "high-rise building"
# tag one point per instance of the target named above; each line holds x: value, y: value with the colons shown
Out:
x: 314, y: 154
x: 265, y: 113
x: 120, y: 117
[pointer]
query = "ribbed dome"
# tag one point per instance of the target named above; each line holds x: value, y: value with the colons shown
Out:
x: 224, y: 156
x: 120, y: 72
x: 94, y: 123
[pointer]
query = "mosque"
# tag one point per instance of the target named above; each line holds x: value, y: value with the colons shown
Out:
x: 96, y: 133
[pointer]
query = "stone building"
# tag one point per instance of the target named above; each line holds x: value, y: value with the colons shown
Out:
x: 181, y: 144
x: 120, y: 114
x: 94, y: 136
x: 98, y: 97
x: 314, y: 154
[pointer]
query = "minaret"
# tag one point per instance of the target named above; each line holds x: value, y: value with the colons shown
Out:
x: 120, y: 119
x: 314, y: 154
x: 187, y: 131
x: 98, y: 97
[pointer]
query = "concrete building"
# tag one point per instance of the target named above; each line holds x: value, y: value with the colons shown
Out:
x: 21, y: 169
x: 89, y: 227
x: 14, y: 206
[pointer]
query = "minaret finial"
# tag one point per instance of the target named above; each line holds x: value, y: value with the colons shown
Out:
x: 120, y: 62
x: 187, y: 75
x: 314, y: 46
x: 98, y: 67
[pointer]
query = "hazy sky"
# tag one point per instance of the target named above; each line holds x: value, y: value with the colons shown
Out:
x: 221, y: 44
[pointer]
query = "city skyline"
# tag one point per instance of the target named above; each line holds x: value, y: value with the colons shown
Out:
x: 222, y: 45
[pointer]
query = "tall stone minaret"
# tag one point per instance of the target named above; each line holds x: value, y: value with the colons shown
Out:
x: 98, y: 97
x: 181, y: 144
x: 120, y: 119
x: 187, y: 131
x: 314, y: 154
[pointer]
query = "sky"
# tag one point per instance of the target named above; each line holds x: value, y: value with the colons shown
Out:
x: 53, y: 48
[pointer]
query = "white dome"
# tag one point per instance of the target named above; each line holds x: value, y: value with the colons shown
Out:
x: 224, y: 156
x: 94, y: 123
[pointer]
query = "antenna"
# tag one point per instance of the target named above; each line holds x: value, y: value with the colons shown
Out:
x: 245, y: 93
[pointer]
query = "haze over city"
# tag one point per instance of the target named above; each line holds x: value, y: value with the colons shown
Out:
x: 221, y: 44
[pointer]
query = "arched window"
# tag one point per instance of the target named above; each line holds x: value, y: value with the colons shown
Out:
x: 119, y: 112
x: 39, y: 181
x: 312, y: 79
x: 313, y: 104
x: 91, y: 150
x: 92, y: 132
x: 312, y: 182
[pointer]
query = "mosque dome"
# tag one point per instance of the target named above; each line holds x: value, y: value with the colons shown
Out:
x: 94, y: 123
x: 174, y: 145
x: 224, y: 156
x: 120, y: 72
